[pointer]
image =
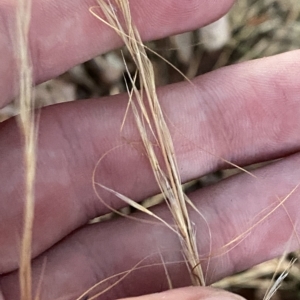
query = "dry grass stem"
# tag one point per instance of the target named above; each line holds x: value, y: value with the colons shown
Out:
x: 281, y: 203
x: 277, y: 283
x: 123, y: 275
x: 137, y: 206
x: 26, y: 122
x: 151, y: 124
x: 259, y: 275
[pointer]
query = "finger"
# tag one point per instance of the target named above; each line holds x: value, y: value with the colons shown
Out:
x: 240, y: 208
x: 191, y: 293
x: 64, y: 33
x: 245, y: 113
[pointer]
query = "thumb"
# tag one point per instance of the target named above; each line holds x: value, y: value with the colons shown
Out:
x: 191, y: 293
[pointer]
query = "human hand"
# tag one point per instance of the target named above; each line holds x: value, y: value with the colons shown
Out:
x: 244, y: 113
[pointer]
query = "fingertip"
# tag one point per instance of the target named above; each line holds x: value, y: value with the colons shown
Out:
x: 190, y: 293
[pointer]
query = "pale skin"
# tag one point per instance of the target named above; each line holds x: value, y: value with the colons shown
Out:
x: 244, y: 113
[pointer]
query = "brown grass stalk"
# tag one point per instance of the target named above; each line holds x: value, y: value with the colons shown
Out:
x: 151, y: 125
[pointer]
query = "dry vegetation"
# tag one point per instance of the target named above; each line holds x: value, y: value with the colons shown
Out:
x: 27, y: 128
x: 259, y: 28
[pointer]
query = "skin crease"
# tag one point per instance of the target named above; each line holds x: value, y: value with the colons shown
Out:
x: 245, y: 113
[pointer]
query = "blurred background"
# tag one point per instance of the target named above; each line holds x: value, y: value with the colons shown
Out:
x: 252, y: 29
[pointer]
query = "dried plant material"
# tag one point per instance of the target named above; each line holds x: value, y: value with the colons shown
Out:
x: 170, y: 284
x: 267, y: 212
x: 183, y: 44
x: 264, y: 28
x: 151, y: 124
x: 26, y: 123
x: 110, y: 66
x: 122, y: 276
x: 8, y: 111
x: 137, y: 206
x: 52, y: 92
x: 214, y: 36
x: 39, y: 285
x: 81, y: 78
x: 252, y: 278
x: 277, y: 283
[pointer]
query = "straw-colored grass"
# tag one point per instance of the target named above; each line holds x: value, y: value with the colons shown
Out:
x: 26, y: 122
x: 151, y: 125
x: 154, y: 133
